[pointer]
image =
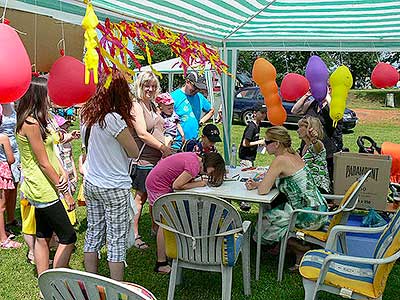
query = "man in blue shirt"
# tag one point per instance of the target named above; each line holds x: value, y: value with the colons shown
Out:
x: 189, y: 103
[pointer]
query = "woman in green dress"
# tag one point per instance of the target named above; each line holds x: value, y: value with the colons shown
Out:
x: 293, y: 179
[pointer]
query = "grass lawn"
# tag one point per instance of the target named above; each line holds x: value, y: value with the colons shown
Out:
x: 18, y: 278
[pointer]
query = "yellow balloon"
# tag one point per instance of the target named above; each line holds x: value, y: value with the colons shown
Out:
x: 341, y: 81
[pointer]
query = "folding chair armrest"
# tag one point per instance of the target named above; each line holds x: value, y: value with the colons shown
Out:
x: 336, y: 230
x: 246, y: 226
x: 333, y: 197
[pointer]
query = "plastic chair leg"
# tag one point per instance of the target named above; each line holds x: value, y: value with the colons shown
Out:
x: 282, y: 254
x: 172, y: 280
x: 309, y: 288
x: 226, y: 282
x: 246, y: 264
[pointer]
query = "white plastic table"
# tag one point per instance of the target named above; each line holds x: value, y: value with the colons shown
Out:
x: 236, y: 190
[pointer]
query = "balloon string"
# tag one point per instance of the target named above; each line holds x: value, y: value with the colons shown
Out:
x: 4, y: 12
x: 62, y: 31
x: 286, y: 58
x: 35, y: 42
x: 376, y: 52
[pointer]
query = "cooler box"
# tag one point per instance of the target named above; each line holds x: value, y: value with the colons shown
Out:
x: 362, y: 245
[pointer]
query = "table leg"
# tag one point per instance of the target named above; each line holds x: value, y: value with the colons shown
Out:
x: 259, y: 233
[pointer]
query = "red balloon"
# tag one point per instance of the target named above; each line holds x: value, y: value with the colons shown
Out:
x: 67, y: 82
x: 384, y: 76
x: 15, y: 67
x: 294, y: 86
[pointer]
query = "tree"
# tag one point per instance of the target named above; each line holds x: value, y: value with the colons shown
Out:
x: 160, y: 52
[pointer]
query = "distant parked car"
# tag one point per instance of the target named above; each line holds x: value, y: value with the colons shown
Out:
x: 246, y: 99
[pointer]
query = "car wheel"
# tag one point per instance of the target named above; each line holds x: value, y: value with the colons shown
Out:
x: 247, y: 117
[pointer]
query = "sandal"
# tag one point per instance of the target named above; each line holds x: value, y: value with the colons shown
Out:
x: 139, y: 244
x: 295, y: 268
x: 10, y: 244
x: 160, y: 264
x: 30, y: 258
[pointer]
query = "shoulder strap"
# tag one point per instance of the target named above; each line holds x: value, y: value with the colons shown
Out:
x: 87, y: 135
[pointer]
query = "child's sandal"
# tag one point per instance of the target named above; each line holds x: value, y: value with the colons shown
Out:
x: 10, y: 244
x: 162, y: 264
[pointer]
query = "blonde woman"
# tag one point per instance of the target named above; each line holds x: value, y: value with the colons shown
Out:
x: 148, y: 134
x: 294, y: 180
x: 314, y: 153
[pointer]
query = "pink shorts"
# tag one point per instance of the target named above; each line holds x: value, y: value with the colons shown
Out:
x: 6, y: 179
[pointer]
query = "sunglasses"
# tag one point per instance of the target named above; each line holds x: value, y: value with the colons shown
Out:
x: 268, y: 142
x: 194, y: 85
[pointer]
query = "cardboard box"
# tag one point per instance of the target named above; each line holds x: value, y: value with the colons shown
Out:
x: 348, y: 167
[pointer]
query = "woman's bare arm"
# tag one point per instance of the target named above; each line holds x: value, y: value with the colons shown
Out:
x: 185, y: 181
x: 127, y: 141
x: 5, y: 141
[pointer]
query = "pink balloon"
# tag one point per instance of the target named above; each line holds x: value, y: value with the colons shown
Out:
x: 67, y: 82
x: 384, y: 76
x: 294, y: 86
x: 15, y: 66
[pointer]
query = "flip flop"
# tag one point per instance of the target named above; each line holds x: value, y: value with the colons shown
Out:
x: 140, y: 245
x: 162, y: 264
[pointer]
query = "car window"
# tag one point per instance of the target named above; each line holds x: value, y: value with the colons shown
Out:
x: 246, y: 94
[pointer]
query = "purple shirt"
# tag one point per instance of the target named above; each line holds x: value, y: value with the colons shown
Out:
x: 160, y: 179
x: 170, y: 124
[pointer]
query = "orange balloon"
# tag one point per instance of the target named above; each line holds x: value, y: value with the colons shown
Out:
x: 263, y: 71
x: 269, y: 87
x: 272, y: 100
x: 276, y: 115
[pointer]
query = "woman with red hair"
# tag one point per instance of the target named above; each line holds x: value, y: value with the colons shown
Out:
x: 106, y: 120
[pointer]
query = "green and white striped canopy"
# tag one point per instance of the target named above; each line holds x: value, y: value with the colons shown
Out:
x: 351, y: 25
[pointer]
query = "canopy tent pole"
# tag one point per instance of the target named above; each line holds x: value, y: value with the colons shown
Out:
x: 170, y: 82
x: 228, y: 94
x: 210, y: 89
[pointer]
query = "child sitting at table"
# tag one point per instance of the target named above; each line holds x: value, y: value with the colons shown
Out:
x: 171, y: 119
x: 206, y: 143
x: 177, y: 172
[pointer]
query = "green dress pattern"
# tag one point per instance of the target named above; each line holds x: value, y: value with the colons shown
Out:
x: 302, y: 193
x: 316, y: 163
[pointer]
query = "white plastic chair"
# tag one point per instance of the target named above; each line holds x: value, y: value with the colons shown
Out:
x: 203, y: 233
x: 67, y: 284
x: 349, y: 276
x: 319, y: 237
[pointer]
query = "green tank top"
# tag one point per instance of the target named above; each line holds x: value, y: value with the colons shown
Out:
x: 35, y: 185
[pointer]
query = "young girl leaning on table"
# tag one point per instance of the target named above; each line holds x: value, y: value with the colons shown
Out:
x: 177, y: 172
x: 294, y: 180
